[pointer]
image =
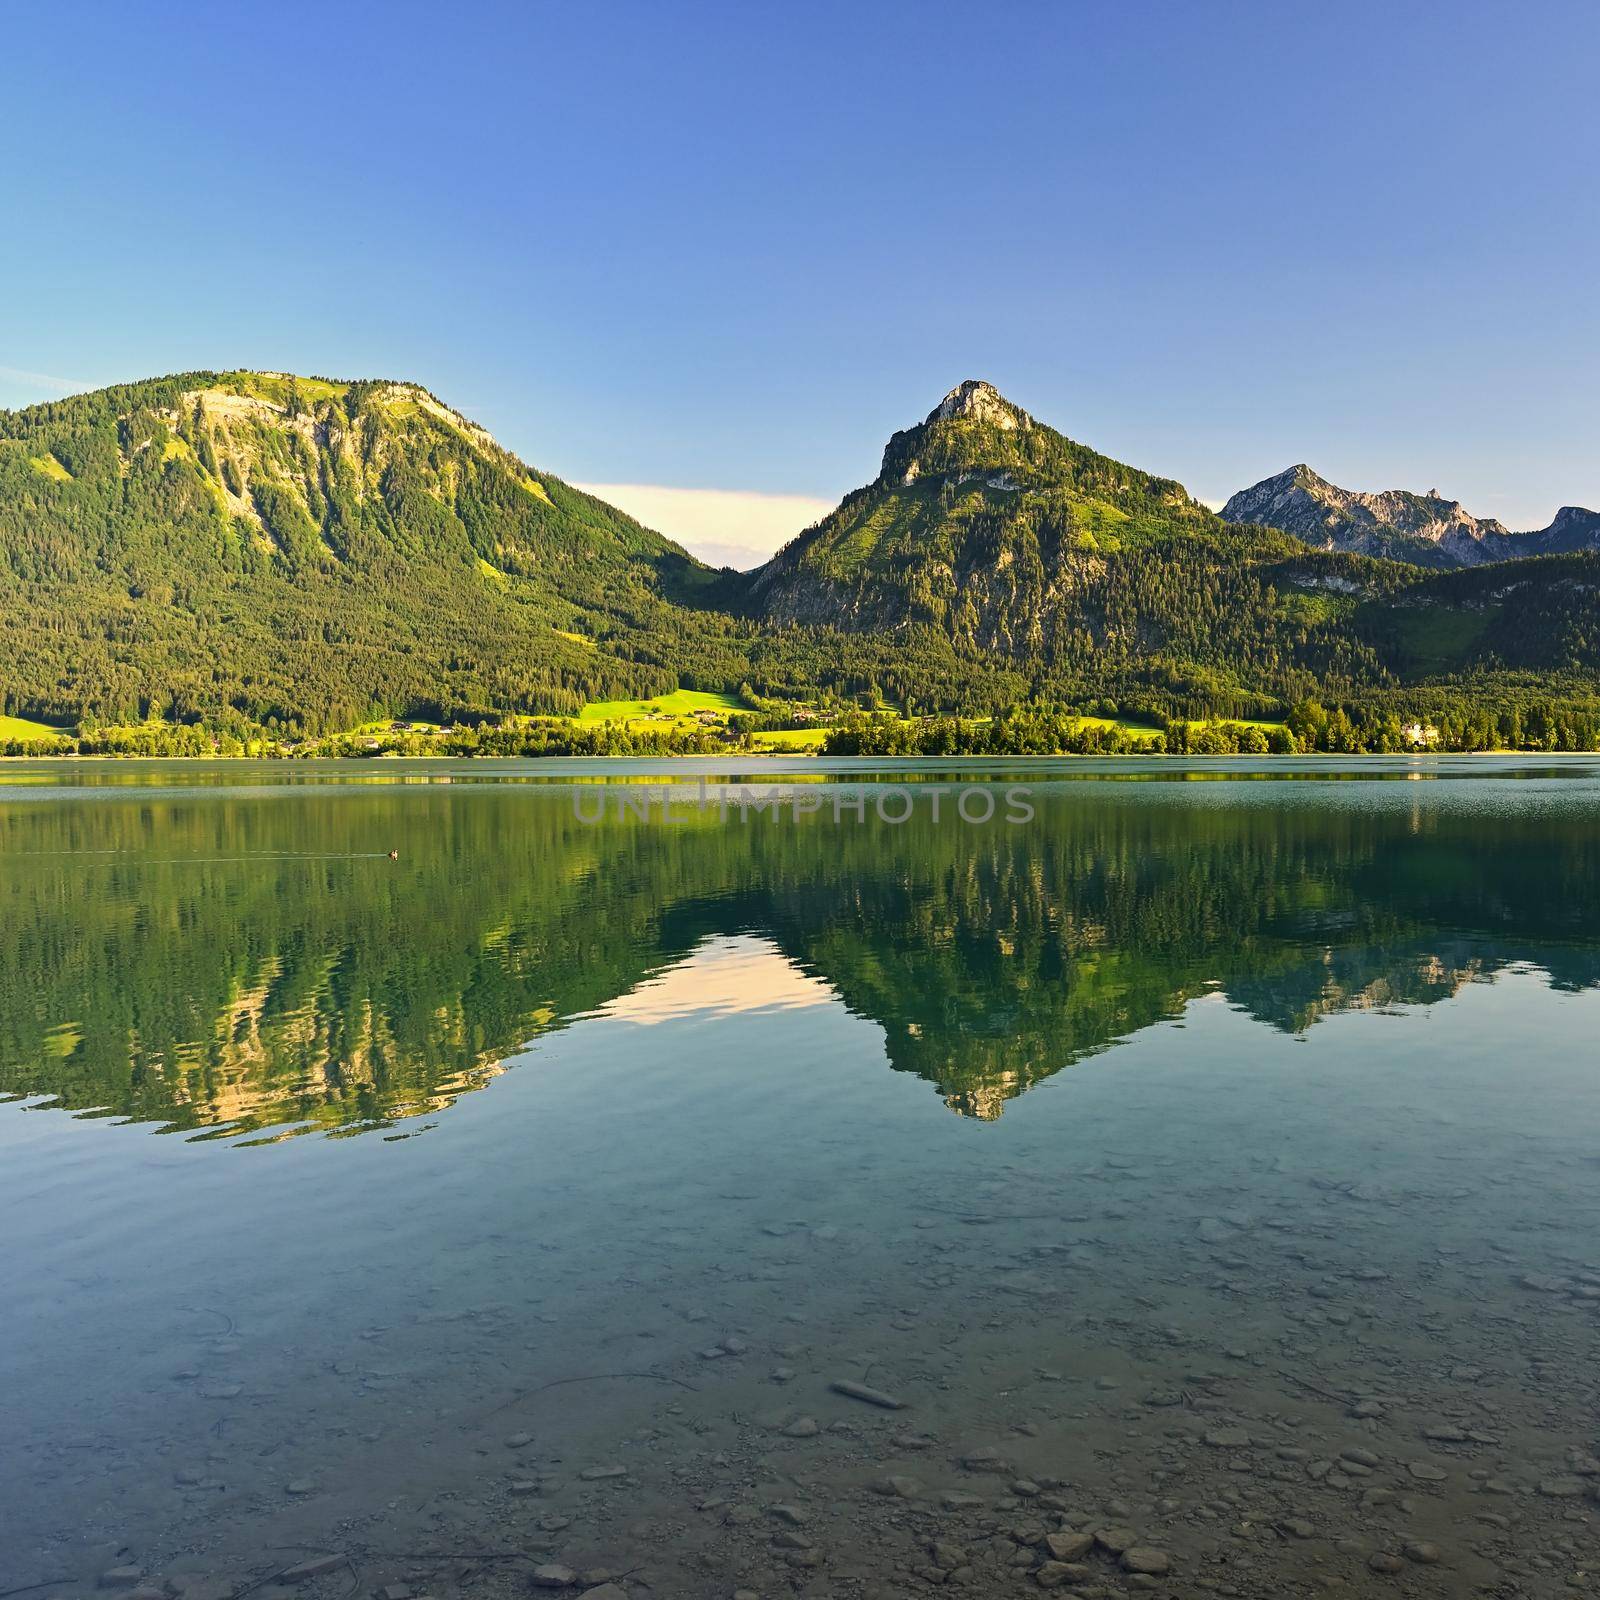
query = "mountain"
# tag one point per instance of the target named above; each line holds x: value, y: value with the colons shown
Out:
x: 245, y: 548
x: 981, y: 521
x: 264, y: 546
x: 989, y: 529
x: 1425, y: 529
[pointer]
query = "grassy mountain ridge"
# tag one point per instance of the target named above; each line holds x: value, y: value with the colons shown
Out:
x: 303, y: 548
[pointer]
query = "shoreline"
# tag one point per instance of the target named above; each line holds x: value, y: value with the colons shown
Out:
x: 808, y: 756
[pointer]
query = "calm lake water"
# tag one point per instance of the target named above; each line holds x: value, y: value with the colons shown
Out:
x: 1205, y: 1157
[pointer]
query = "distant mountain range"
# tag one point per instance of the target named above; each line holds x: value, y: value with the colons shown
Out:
x: 1425, y: 529
x: 305, y: 554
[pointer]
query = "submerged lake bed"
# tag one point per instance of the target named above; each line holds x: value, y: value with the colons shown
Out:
x: 1191, y: 1186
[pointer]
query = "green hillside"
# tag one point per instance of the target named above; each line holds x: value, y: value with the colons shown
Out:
x: 304, y: 551
x: 227, y: 553
x: 991, y: 530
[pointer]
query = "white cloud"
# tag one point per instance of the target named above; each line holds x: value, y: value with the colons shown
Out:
x: 727, y: 527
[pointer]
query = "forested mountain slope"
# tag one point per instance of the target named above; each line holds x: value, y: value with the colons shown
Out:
x: 304, y: 550
x: 251, y: 548
x: 995, y: 530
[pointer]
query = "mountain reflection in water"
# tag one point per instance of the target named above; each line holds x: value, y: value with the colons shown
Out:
x: 235, y: 962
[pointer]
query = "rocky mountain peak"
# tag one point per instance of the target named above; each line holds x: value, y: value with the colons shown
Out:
x: 1429, y: 529
x: 976, y: 401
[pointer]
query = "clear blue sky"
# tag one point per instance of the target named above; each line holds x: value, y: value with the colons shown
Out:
x: 733, y: 246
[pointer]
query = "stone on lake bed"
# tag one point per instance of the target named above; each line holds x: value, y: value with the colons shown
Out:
x: 1069, y: 1546
x: 519, y: 1441
x: 899, y: 1485
x: 602, y: 1474
x: 315, y: 1567
x: 552, y: 1575
x: 1562, y: 1488
x: 1422, y: 1552
x: 861, y: 1391
x: 120, y: 1578
x: 1116, y: 1540
x: 1053, y: 1574
x: 1141, y: 1558
x: 803, y: 1428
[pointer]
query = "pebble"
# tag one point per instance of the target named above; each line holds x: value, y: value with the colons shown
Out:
x: 302, y: 1486
x: 1141, y: 1558
x: 1227, y: 1438
x: 803, y: 1428
x: 957, y: 1500
x: 1069, y: 1546
x: 861, y: 1391
x: 1116, y: 1540
x: 1426, y: 1472
x: 1384, y: 1562
x: 1562, y: 1488
x: 519, y: 1441
x: 552, y: 1575
x: 121, y: 1577
x: 602, y: 1474
x: 313, y: 1568
x: 1053, y: 1574
x: 1422, y: 1552
x: 897, y: 1484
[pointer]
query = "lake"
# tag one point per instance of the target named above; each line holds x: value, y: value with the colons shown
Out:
x: 1197, y: 1166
